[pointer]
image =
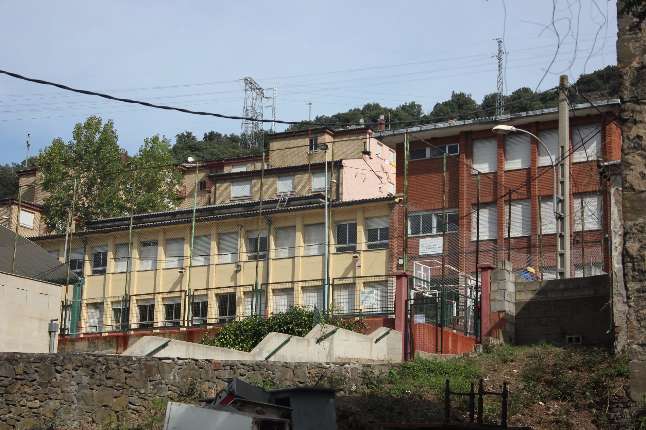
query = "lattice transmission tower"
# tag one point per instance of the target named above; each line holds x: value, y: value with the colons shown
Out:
x: 252, y: 130
x: 500, y: 84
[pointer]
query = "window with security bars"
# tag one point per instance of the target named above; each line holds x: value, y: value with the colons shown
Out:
x: 521, y: 218
x: 95, y: 317
x: 226, y: 306
x: 99, y: 259
x: 148, y: 255
x: 374, y: 296
x: 312, y: 297
x: 314, y: 239
x: 119, y: 316
x: 488, y: 216
x: 343, y: 298
x: 346, y: 237
x: 254, y: 302
x: 76, y: 261
x: 256, y: 245
x: 424, y: 223
x: 199, y: 310
x: 282, y: 300
x: 377, y: 232
x: 228, y: 247
x: 174, y: 253
x: 146, y: 311
x: 284, y: 242
x: 434, y: 151
x: 172, y: 312
x: 586, y: 211
x: 121, y: 257
x: 201, y: 250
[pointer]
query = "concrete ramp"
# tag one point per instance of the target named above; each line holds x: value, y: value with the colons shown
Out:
x: 323, y: 343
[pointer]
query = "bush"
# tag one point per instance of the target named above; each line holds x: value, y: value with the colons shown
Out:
x: 246, y: 333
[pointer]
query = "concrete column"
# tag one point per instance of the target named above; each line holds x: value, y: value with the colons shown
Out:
x: 485, y: 300
x: 401, y: 298
x: 502, y: 303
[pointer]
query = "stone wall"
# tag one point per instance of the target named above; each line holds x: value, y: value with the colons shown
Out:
x: 631, y: 59
x: 43, y: 391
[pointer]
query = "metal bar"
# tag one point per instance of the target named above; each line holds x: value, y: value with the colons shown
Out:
x: 278, y: 348
x: 386, y: 333
x: 326, y: 335
x: 472, y: 403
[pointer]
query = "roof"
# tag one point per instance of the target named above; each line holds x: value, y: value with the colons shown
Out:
x: 450, y: 128
x: 10, y: 201
x: 244, y: 209
x: 32, y: 261
x: 316, y: 130
x: 272, y: 170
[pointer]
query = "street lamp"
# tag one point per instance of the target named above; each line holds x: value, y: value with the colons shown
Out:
x: 187, y: 310
x: 506, y: 129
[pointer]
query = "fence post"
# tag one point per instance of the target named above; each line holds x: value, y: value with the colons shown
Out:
x: 485, y: 301
x: 401, y: 299
x: 472, y: 403
x: 503, y: 407
x: 447, y: 402
x: 480, y: 400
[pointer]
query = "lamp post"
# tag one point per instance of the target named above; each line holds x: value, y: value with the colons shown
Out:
x: 190, y: 251
x: 506, y: 129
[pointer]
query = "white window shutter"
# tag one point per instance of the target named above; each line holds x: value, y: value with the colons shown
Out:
x: 551, y: 140
x: 121, y: 257
x: 285, y: 184
x: 26, y: 219
x: 517, y: 151
x: 240, y: 189
x: 590, y: 150
x: 314, y: 239
x: 228, y: 247
x: 521, y: 220
x: 488, y: 222
x: 379, y: 222
x: 485, y: 155
x: 201, y: 250
x: 284, y: 246
x: 318, y: 181
x: 174, y: 253
x: 548, y: 218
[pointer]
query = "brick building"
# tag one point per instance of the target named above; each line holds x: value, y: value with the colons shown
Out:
x: 503, y: 165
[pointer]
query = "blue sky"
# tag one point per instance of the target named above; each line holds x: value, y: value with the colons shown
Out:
x: 334, y: 54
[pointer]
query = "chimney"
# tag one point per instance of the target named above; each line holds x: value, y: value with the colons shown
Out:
x: 381, y: 123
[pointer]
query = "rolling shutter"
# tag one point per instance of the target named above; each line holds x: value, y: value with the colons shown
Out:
x: 228, y: 247
x: 591, y: 212
x: 240, y: 189
x: 590, y: 150
x: 201, y: 250
x: 285, y: 184
x: 551, y: 139
x: 121, y: 257
x: 548, y: 219
x: 485, y: 155
x: 318, y: 181
x: 174, y: 253
x: 488, y: 222
x: 285, y: 237
x: 314, y: 239
x: 517, y: 150
x: 521, y: 220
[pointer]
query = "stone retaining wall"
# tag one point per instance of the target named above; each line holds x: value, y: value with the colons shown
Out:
x: 46, y: 391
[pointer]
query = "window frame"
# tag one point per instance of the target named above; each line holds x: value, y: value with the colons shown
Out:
x: 436, y: 222
x: 175, y: 305
x: 318, y: 189
x: 313, y: 142
x: 173, y: 261
x: 153, y: 259
x: 347, y: 245
x: 433, y: 151
x: 244, y: 182
x: 257, y: 251
x: 32, y: 224
x: 103, y: 267
x: 147, y: 307
x: 313, y: 249
x: 279, y: 180
x: 234, y: 255
x: 380, y: 243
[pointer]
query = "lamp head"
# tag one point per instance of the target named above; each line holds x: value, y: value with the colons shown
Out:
x: 190, y: 160
x: 503, y: 129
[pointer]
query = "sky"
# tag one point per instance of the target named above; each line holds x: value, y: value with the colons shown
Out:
x: 333, y: 54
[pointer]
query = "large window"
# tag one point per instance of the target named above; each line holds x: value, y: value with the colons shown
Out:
x: 99, y: 259
x: 282, y: 300
x: 588, y: 205
x: 256, y: 245
x: 76, y: 261
x: 318, y: 181
x: 285, y: 184
x: 346, y: 236
x: 343, y: 298
x: 199, y: 310
x: 314, y: 239
x: 586, y: 142
x: 95, y: 317
x: 312, y: 297
x: 374, y: 296
x: 551, y: 139
x: 521, y: 218
x: 485, y: 155
x: 377, y: 232
x: 201, y: 250
x: 284, y: 246
x: 254, y: 302
x: 146, y: 310
x: 241, y: 189
x: 228, y: 247
x: 148, y: 255
x: 172, y: 312
x: 517, y: 151
x: 432, y: 223
x: 174, y: 253
x: 488, y: 222
x: 226, y: 307
x: 121, y: 257
x: 434, y: 151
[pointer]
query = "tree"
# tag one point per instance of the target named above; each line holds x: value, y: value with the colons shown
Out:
x: 213, y: 146
x: 8, y: 180
x: 107, y: 182
x: 459, y: 106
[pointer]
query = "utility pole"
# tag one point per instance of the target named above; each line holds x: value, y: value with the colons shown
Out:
x: 309, y: 111
x: 405, y: 200
x: 563, y: 258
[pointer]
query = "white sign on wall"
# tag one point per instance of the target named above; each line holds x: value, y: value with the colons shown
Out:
x: 431, y: 245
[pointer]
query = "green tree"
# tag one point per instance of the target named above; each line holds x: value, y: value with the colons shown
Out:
x: 213, y: 146
x: 459, y: 106
x: 8, y: 180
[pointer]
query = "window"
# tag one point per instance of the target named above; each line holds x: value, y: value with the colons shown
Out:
x: 285, y: 184
x: 146, y: 310
x: 343, y: 298
x: 434, y: 151
x: 282, y: 300
x: 99, y: 259
x: 312, y: 297
x: 254, y: 306
x: 346, y: 236
x: 285, y: 237
x: 172, y: 312
x: 517, y: 151
x: 314, y: 239
x: 548, y: 218
x: 199, y: 310
x: 202, y: 186
x: 521, y: 218
x: 485, y: 155
x: 318, y: 181
x: 238, y: 168
x: 201, y: 250
x: 241, y: 189
x: 590, y: 205
x: 148, y: 255
x: 418, y: 153
x: 174, y: 253
x: 589, y: 269
x: 452, y: 149
x: 374, y: 297
x: 121, y: 259
x: 314, y: 144
x: 432, y: 223
x: 586, y: 142
x: 95, y: 317
x: 256, y: 245
x: 26, y: 219
x: 551, y: 139
x: 228, y: 247
x: 76, y: 261
x: 226, y: 307
x: 488, y: 222
x: 377, y: 232
x: 119, y: 316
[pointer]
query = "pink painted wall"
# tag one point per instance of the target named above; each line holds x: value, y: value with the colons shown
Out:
x: 370, y: 176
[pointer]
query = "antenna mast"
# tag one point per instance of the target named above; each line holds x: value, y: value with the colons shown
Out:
x: 500, y: 86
